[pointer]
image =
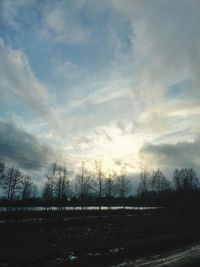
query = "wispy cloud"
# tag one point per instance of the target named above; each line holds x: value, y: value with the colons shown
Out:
x: 157, y: 45
x: 18, y: 79
x: 105, y: 78
x: 13, y: 12
x: 68, y: 70
x: 62, y: 25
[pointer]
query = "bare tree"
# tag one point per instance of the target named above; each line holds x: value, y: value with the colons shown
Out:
x: 185, y: 179
x: 2, y: 168
x: 47, y: 194
x: 27, y: 187
x: 158, y: 182
x: 12, y: 183
x: 143, y: 187
x: 109, y: 186
x: 62, y: 182
x: 49, y: 186
x: 99, y: 176
x: 123, y: 184
x: 35, y: 191
x: 2, y: 171
x: 57, y: 184
x: 83, y: 184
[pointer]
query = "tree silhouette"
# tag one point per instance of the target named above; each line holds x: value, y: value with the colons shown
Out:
x: 123, y: 184
x: 11, y: 183
x: 62, y: 184
x: 49, y: 186
x: 110, y: 186
x: 185, y: 179
x: 83, y: 184
x: 26, y: 187
x: 99, y: 176
x: 143, y: 186
x: 2, y: 171
x: 158, y: 182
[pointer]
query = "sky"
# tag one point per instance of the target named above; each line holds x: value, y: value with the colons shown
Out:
x: 110, y: 80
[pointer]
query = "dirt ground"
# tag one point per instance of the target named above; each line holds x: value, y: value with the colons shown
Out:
x: 93, y: 241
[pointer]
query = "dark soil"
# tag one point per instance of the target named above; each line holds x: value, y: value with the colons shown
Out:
x: 96, y: 241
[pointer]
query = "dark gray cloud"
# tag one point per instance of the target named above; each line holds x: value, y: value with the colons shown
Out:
x: 169, y: 156
x: 22, y: 148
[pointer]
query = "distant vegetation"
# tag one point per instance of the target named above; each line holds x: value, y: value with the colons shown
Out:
x: 99, y: 188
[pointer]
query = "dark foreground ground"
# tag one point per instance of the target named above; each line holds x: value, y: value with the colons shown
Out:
x: 87, y: 240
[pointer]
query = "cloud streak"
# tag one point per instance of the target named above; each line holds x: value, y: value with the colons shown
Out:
x: 63, y: 26
x: 18, y: 79
x: 166, y: 40
x: 116, y: 79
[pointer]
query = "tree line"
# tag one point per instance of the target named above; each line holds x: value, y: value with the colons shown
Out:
x: 62, y: 187
x: 98, y: 187
x: 183, y: 190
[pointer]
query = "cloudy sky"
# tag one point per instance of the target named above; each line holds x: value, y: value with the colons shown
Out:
x: 116, y: 80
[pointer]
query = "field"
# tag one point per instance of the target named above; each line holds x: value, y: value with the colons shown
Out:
x: 84, y: 238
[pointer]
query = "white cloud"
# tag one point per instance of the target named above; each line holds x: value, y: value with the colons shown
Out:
x: 63, y: 25
x: 17, y: 78
x: 166, y: 39
x: 166, y: 43
x: 11, y: 11
x: 155, y: 48
x: 68, y: 70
